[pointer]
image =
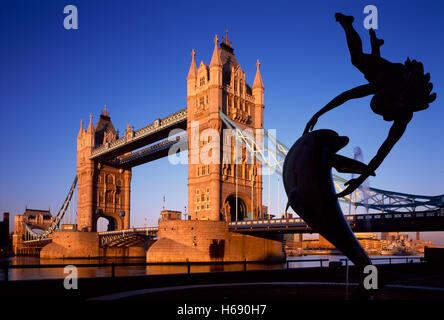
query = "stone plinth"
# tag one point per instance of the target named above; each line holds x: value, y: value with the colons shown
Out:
x: 72, y: 244
x: 203, y: 241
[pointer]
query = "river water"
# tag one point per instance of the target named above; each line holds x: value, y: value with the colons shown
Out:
x: 92, y: 272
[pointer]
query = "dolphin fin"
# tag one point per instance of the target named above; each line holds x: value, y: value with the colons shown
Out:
x: 288, y: 205
x: 347, y: 165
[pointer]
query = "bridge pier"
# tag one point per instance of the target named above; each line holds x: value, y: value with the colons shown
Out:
x: 72, y: 244
x: 205, y: 240
x: 75, y: 244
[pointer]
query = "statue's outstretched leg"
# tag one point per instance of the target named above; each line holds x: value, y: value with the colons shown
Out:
x: 375, y: 43
x: 354, y: 42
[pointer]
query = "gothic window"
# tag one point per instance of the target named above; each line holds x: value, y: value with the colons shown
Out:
x: 197, y: 191
x: 202, y: 81
x: 110, y: 179
x: 109, y: 197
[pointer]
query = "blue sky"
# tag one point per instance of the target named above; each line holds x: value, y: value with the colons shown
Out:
x: 134, y: 56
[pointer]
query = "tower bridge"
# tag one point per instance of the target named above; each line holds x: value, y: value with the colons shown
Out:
x: 226, y: 217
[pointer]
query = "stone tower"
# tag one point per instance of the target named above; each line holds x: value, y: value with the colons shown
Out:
x: 103, y: 189
x: 221, y: 186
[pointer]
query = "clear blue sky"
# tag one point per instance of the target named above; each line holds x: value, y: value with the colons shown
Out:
x: 134, y: 56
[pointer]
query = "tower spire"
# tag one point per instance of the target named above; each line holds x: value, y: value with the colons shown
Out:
x: 193, y: 70
x: 105, y: 112
x: 90, y: 126
x: 225, y: 39
x: 81, y: 128
x: 258, y: 79
x: 215, y: 59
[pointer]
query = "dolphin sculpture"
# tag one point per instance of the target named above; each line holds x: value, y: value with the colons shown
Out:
x: 309, y: 186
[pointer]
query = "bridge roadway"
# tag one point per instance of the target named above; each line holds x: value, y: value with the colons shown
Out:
x: 156, y: 131
x: 151, y: 153
x: 431, y: 220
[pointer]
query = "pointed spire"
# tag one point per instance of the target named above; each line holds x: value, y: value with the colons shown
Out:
x: 81, y: 128
x: 90, y: 126
x: 215, y: 59
x: 193, y: 70
x: 258, y: 79
x: 105, y: 112
x: 225, y: 39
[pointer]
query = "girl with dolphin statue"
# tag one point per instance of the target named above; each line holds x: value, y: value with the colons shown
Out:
x: 399, y: 90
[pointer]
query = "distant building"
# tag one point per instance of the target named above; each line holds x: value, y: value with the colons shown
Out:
x: 170, y: 215
x: 389, y: 236
x: 370, y: 242
x: 34, y: 219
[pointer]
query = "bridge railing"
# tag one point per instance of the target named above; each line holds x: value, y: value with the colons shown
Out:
x: 319, y: 262
x: 350, y: 218
x: 128, y: 231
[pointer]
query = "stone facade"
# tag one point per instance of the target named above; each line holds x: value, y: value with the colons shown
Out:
x: 103, y: 190
x: 220, y: 188
x: 224, y: 181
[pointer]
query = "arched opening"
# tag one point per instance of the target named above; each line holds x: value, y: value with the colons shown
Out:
x: 237, y: 208
x: 106, y: 224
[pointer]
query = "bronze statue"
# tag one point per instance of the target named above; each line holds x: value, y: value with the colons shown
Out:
x: 398, y: 89
x: 309, y: 186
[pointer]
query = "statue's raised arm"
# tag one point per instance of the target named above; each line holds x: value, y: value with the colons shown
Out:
x: 399, y: 90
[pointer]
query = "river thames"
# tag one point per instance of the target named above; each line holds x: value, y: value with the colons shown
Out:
x: 94, y: 272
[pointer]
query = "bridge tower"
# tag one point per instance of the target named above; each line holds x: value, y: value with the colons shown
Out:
x: 221, y: 187
x: 103, y: 189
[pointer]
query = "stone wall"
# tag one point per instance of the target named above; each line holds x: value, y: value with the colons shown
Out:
x: 72, y: 244
x: 202, y: 241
